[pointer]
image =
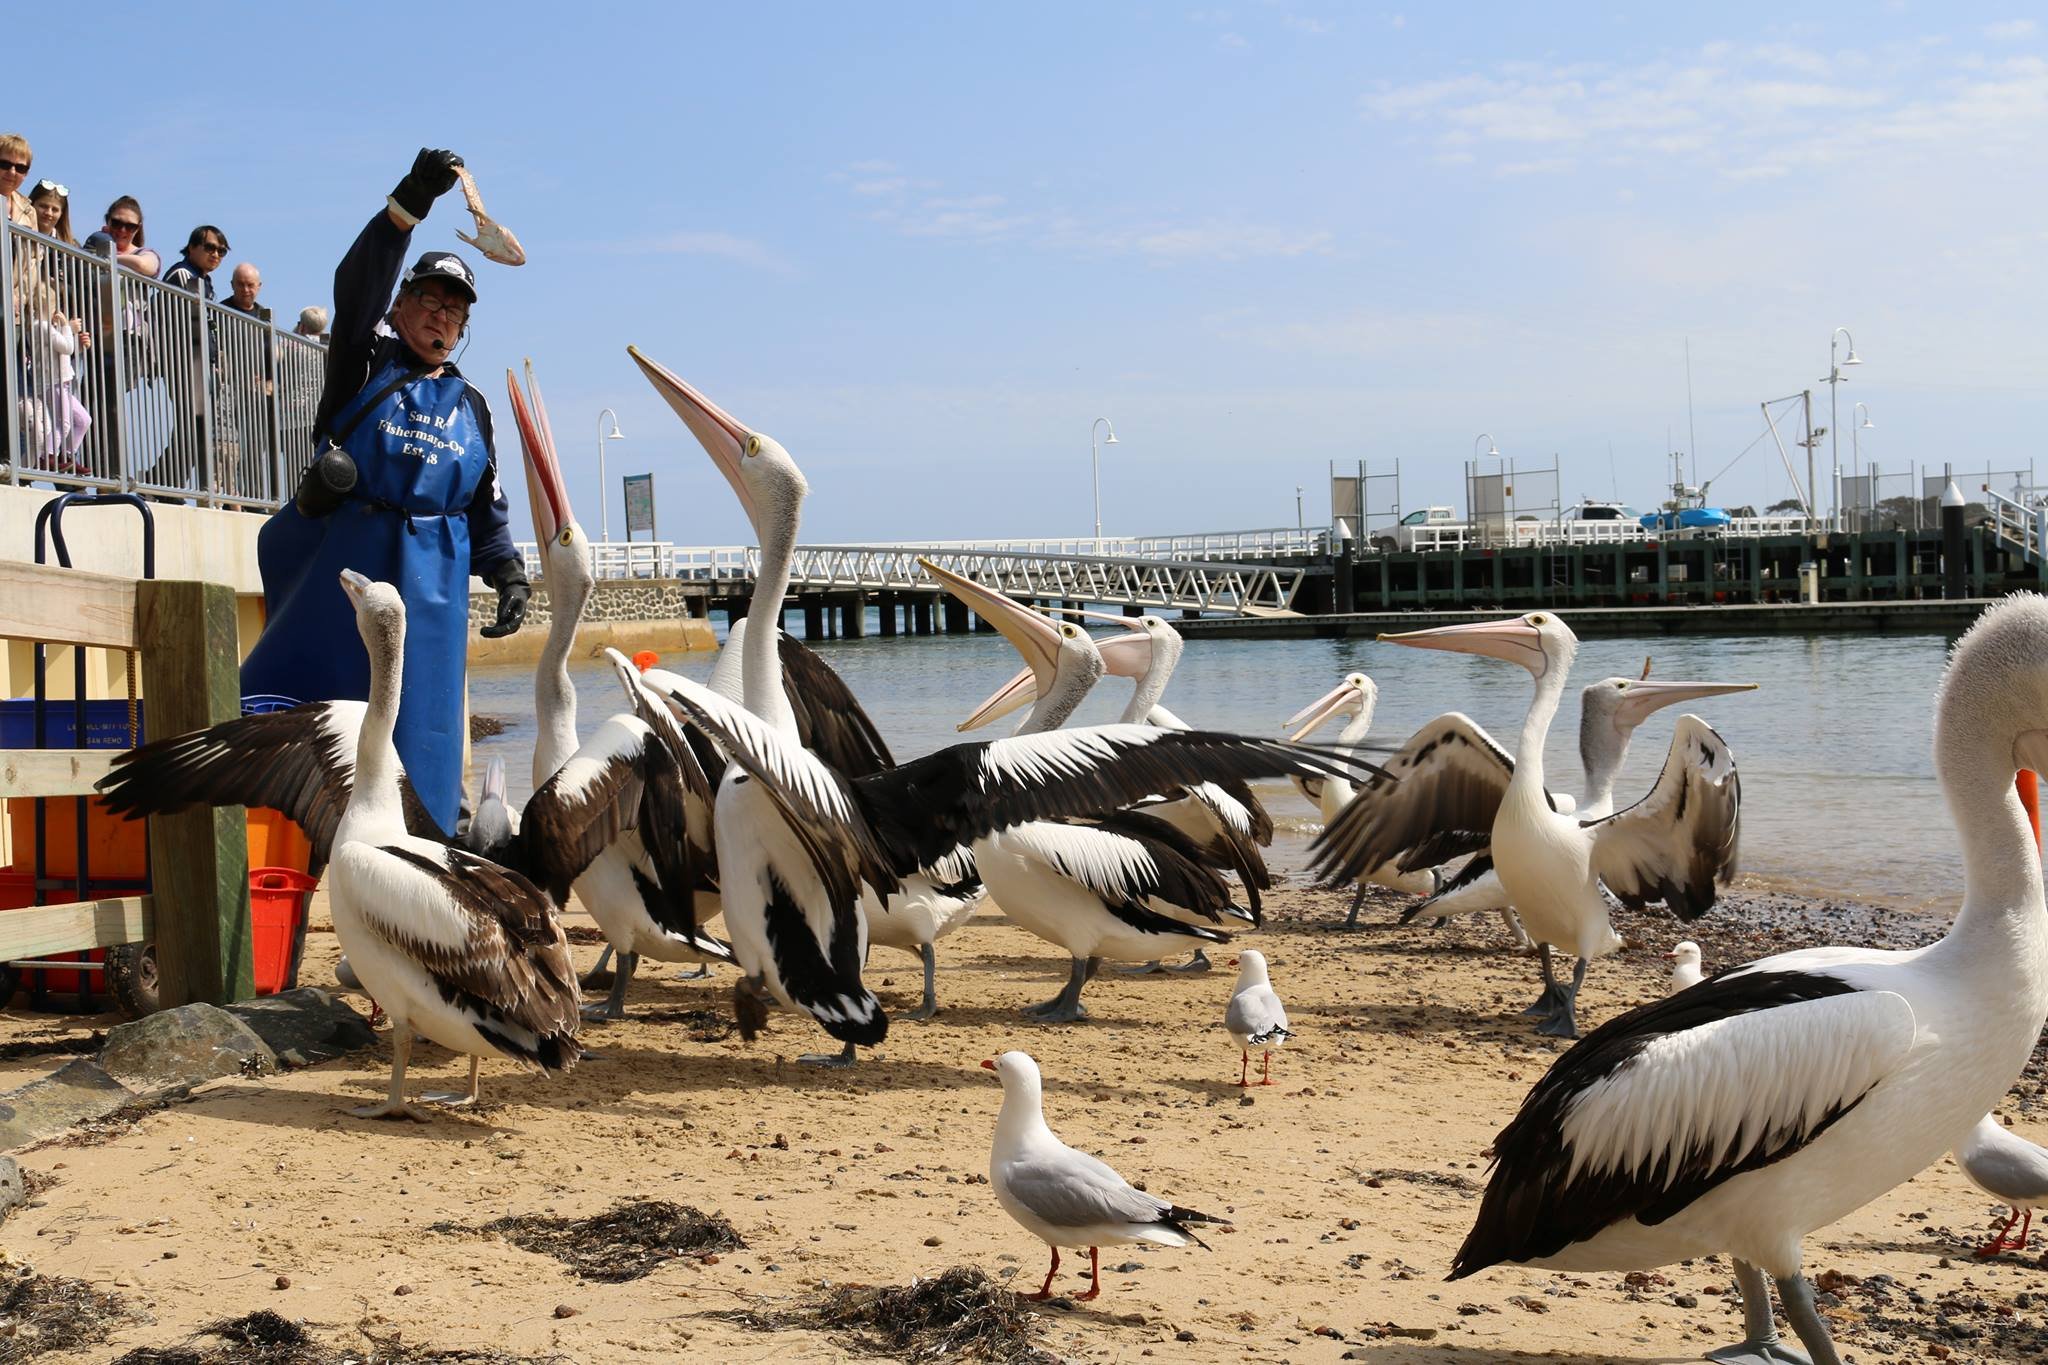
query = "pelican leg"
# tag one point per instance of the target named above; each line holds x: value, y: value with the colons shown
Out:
x: 614, y: 1006
x: 1565, y: 1023
x: 1194, y: 966
x: 596, y: 977
x: 930, y: 1005
x: 1553, y: 994
x: 459, y: 1099
x: 394, y: 1106
x: 842, y: 1058
x: 1523, y: 943
x: 1357, y: 903
x: 1143, y: 968
x: 1045, y: 1290
x: 1796, y: 1293
x: 702, y: 973
x: 1094, y: 1274
x: 1066, y: 1007
x: 1760, y: 1344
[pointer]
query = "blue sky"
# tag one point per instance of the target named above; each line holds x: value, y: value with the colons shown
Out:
x: 924, y: 246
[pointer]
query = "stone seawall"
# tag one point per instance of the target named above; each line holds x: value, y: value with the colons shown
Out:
x: 628, y: 615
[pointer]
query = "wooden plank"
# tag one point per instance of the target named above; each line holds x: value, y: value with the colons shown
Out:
x: 199, y: 860
x: 52, y: 772
x: 74, y: 927
x: 66, y: 606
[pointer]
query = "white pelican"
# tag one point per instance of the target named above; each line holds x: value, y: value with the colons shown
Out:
x: 1452, y: 790
x: 1685, y: 966
x: 466, y: 953
x: 2010, y: 1169
x: 1256, y: 1018
x: 1609, y: 713
x: 1771, y: 1100
x: 1067, y: 1198
x: 1358, y: 695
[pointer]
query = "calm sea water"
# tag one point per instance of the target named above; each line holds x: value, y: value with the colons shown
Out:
x: 1838, y: 795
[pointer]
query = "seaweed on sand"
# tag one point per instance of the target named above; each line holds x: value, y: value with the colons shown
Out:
x: 960, y: 1314
x: 40, y: 1314
x: 632, y: 1238
x: 266, y: 1338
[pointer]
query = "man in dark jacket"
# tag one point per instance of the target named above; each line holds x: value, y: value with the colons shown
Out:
x: 205, y: 249
x: 403, y: 487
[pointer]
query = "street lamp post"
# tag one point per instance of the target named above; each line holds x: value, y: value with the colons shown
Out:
x: 604, y: 502
x: 1856, y: 448
x: 1095, y: 471
x: 1836, y: 378
x: 1472, y: 479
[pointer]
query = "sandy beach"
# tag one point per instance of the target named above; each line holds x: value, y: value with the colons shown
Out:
x: 1349, y: 1182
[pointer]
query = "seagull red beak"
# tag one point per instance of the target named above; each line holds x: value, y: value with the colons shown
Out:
x: 989, y: 1063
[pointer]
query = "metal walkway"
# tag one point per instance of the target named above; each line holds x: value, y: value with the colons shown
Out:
x: 1162, y: 584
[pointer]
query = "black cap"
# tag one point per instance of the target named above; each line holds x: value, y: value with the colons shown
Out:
x: 445, y: 266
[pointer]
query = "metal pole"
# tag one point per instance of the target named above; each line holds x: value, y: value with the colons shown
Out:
x: 10, y: 349
x: 1812, y: 517
x: 1095, y: 479
x: 604, y: 506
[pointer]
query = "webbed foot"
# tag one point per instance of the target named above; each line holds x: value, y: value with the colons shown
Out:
x: 835, y: 1060
x: 391, y: 1109
x: 1760, y: 1353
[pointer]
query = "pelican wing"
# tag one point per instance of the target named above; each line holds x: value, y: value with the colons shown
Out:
x: 1128, y: 860
x: 622, y: 778
x: 486, y: 935
x: 1662, y: 1104
x: 829, y: 718
x: 1678, y: 842
x: 1437, y: 800
x: 301, y: 762
x: 922, y: 809
x: 814, y: 800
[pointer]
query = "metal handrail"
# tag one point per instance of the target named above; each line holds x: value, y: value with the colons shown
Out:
x: 168, y: 394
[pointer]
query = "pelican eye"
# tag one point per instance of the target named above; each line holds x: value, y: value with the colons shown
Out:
x: 565, y: 535
x: 1535, y: 620
x: 1068, y: 631
x: 753, y: 444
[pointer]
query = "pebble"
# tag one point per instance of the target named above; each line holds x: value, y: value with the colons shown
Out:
x: 283, y: 1282
x: 563, y: 1310
x: 403, y: 1289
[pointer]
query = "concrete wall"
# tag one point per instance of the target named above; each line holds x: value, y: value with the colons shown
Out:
x: 628, y: 615
x: 191, y: 542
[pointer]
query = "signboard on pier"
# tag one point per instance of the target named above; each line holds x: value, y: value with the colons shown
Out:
x: 639, y: 505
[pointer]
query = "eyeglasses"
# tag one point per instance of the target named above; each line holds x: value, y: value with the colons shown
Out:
x: 434, y: 307
x: 122, y: 225
x: 52, y: 186
x: 217, y: 248
x: 21, y: 166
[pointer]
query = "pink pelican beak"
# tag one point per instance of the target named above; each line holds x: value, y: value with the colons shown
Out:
x: 1644, y: 698
x: 1123, y: 656
x: 1032, y: 633
x: 1343, y: 697
x: 355, y: 585
x: 724, y: 439
x: 546, y: 493
x: 1514, y: 640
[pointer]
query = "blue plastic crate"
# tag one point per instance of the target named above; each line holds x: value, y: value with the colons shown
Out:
x: 106, y: 724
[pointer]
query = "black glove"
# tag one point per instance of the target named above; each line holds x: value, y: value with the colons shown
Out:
x: 513, y: 592
x: 326, y: 484
x: 432, y: 175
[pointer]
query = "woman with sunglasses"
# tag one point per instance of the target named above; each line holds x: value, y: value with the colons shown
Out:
x: 403, y: 486
x: 121, y: 238
x: 15, y: 159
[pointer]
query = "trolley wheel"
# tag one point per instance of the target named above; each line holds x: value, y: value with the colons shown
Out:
x: 132, y: 978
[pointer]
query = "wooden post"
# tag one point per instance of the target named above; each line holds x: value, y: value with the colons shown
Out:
x: 199, y: 861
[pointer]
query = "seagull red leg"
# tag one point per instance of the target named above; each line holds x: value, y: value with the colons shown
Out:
x: 1244, y: 1069
x: 2026, y: 1225
x: 1045, y: 1290
x: 1998, y: 1243
x: 1267, y: 1072
x: 1094, y: 1274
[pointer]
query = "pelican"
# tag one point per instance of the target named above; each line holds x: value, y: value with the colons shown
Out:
x: 1359, y: 696
x: 1771, y: 1100
x: 465, y: 952
x: 1452, y: 790
x: 1226, y: 823
x: 1609, y: 713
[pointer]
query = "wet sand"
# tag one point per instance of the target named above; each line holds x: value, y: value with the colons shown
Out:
x: 1350, y: 1182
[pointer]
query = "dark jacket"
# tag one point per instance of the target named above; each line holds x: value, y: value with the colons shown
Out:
x: 187, y: 275
x: 363, y: 285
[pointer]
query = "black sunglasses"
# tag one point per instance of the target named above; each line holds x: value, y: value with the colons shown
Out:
x: 220, y: 247
x: 21, y: 166
x: 122, y: 225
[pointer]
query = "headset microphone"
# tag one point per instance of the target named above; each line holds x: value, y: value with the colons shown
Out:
x: 438, y: 344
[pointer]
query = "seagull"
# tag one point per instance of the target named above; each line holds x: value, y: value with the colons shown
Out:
x: 1067, y: 1198
x: 1685, y: 966
x: 1776, y: 1098
x: 1256, y: 1018
x: 2008, y: 1168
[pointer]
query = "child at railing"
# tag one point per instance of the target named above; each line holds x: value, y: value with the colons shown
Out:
x: 53, y: 421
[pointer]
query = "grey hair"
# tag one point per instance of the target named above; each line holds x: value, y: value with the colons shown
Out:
x: 312, y: 321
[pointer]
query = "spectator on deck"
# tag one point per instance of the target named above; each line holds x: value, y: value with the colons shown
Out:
x: 313, y: 324
x: 15, y: 159
x: 121, y: 237
x: 243, y: 286
x: 205, y: 249
x: 55, y: 421
x: 53, y: 211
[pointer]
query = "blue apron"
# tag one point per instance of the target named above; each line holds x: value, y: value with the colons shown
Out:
x: 419, y: 457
